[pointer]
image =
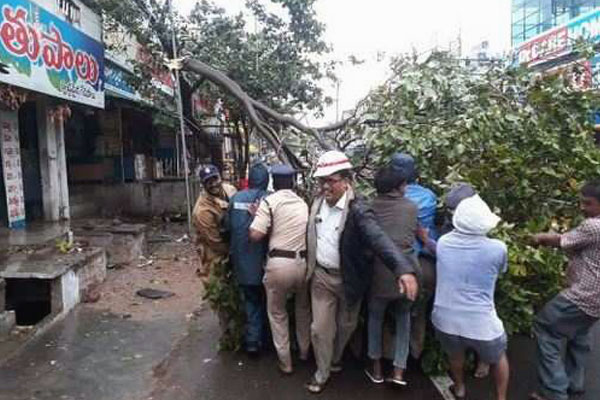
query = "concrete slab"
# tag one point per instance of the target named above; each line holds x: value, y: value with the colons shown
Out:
x: 44, y: 263
x: 2, y: 295
x: 7, y: 322
x: 34, y: 234
x: 124, y: 243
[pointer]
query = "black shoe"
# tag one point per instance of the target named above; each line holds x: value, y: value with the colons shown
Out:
x: 576, y: 392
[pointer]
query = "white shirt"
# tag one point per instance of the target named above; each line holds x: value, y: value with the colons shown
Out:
x: 328, y: 223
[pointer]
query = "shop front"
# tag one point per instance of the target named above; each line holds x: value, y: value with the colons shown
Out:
x: 51, y: 65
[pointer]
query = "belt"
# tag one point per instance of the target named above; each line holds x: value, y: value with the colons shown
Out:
x: 287, y: 253
x: 329, y: 271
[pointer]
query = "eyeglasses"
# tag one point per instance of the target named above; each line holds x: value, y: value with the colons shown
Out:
x: 329, y: 181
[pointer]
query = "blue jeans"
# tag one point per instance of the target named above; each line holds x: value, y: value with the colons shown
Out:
x: 377, y: 307
x: 562, y: 321
x: 254, y: 305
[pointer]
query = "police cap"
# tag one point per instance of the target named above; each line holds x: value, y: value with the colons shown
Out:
x: 207, y: 172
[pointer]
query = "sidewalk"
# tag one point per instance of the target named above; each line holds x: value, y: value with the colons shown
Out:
x: 90, y: 355
x: 108, y: 349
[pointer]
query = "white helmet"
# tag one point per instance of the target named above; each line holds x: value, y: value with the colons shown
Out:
x: 331, y: 162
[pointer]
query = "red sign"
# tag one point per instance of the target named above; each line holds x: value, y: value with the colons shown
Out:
x: 161, y: 77
x: 548, y: 45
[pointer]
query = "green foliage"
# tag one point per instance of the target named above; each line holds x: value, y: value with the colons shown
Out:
x: 433, y: 360
x: 223, y: 296
x: 275, y: 59
x: 525, y: 142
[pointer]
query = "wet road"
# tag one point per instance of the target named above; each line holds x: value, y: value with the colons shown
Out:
x: 196, y: 371
x: 97, y: 356
x: 90, y: 355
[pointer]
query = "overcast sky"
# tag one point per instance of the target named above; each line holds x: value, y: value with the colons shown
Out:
x: 369, y: 29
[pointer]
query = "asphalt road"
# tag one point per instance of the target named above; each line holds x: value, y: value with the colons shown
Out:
x: 99, y: 356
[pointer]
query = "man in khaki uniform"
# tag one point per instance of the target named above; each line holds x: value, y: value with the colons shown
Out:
x: 206, y: 216
x: 342, y: 233
x: 283, y: 215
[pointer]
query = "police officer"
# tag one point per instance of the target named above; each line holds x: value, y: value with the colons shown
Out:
x: 248, y: 258
x: 283, y: 217
x: 206, y: 217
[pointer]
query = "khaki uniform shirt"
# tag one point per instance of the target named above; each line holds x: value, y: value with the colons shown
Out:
x: 287, y: 219
x: 206, y: 217
x: 229, y: 190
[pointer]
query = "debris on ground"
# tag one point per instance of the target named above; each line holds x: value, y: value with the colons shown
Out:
x: 173, y: 269
x: 154, y: 294
x: 184, y: 238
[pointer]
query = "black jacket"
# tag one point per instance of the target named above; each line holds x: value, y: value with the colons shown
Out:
x: 360, y: 239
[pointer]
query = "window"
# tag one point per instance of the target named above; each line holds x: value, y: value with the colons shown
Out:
x: 70, y: 10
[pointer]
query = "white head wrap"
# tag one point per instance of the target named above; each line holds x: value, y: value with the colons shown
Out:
x: 474, y: 217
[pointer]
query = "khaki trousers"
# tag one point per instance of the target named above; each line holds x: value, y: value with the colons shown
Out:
x: 285, y: 277
x: 333, y: 321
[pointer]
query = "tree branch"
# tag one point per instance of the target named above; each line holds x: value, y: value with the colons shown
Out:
x: 236, y: 91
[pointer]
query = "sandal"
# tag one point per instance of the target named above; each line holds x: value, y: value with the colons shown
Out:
x: 336, y: 367
x: 536, y: 396
x: 452, y: 389
x: 396, y: 381
x: 372, y: 377
x: 285, y: 370
x: 315, y: 387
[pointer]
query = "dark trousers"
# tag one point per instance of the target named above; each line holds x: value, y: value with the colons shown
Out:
x: 254, y: 305
x: 561, y: 322
x: 421, y: 308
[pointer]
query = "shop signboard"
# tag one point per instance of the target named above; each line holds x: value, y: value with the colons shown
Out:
x: 11, y: 168
x: 116, y: 81
x: 48, y: 55
x: 578, y: 73
x: 541, y: 48
x: 559, y: 41
x: 595, y: 71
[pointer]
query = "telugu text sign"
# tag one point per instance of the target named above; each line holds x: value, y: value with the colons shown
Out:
x: 11, y: 168
x: 47, y: 55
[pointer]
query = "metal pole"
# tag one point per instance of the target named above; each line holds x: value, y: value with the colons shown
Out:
x: 120, y: 127
x: 181, y: 125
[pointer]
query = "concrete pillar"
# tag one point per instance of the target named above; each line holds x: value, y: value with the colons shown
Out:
x: 2, y: 295
x: 64, y: 207
x: 53, y: 165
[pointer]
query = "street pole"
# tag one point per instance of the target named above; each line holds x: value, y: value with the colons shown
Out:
x: 181, y: 125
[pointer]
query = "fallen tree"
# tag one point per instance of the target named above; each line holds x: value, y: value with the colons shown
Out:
x: 524, y: 141
x: 261, y: 116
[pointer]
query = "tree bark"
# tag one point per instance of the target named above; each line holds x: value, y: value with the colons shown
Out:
x: 257, y: 112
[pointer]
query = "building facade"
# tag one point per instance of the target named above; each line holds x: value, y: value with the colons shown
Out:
x: 545, y: 34
x: 52, y: 59
x: 552, y: 50
x: 532, y: 17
